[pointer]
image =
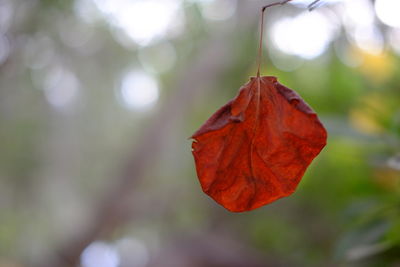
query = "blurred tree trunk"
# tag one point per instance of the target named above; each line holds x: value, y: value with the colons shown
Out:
x: 210, y: 62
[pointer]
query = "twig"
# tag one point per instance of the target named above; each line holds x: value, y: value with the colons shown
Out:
x: 275, y: 4
x: 313, y: 5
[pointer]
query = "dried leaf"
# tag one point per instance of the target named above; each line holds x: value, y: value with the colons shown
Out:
x: 256, y: 148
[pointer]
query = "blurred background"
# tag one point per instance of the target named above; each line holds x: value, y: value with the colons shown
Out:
x: 98, y: 98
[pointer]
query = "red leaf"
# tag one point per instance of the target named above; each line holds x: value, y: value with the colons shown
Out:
x: 256, y: 148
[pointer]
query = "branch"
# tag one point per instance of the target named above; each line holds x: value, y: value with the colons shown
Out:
x: 310, y: 7
x: 275, y: 4
x: 314, y: 5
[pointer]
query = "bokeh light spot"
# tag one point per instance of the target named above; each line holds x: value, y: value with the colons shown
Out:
x: 388, y: 12
x: 359, y: 18
x: 358, y: 13
x: 61, y: 87
x: 306, y: 35
x: 139, y: 90
x: 100, y: 254
x: 142, y: 20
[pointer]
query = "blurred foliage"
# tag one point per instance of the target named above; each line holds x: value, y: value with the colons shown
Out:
x: 58, y: 158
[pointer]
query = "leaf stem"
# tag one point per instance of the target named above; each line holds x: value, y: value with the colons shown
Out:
x: 262, y: 30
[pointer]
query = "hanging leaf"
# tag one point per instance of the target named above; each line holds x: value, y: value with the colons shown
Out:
x: 256, y: 148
